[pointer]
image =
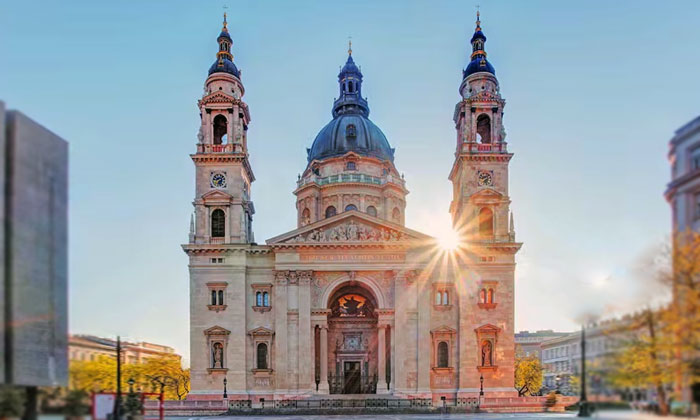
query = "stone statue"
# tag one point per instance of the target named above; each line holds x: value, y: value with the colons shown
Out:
x: 352, y: 231
x: 486, y: 359
x: 200, y: 134
x: 218, y: 356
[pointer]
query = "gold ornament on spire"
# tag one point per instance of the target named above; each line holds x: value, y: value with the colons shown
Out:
x: 478, y: 19
x: 349, y: 45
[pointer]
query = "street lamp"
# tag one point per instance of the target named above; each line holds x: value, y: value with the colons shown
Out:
x: 481, y: 390
x: 225, y: 394
x: 131, y: 383
x: 557, y: 380
x: 583, y: 409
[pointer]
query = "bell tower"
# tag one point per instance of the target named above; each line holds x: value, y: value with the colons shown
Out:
x: 480, y: 205
x: 223, y: 210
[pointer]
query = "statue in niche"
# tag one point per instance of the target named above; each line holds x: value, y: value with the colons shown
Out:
x: 352, y: 231
x: 486, y: 354
x: 218, y: 356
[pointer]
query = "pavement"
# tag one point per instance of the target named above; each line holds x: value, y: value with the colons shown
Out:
x: 600, y: 415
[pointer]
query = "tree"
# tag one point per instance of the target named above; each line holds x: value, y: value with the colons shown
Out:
x: 100, y: 375
x: 528, y: 374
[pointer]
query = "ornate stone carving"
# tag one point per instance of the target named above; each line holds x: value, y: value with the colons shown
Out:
x: 281, y: 278
x: 350, y: 232
x: 305, y: 277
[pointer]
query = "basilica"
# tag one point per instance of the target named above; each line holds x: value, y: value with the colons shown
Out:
x: 351, y: 301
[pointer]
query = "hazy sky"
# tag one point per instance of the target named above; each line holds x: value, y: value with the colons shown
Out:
x: 594, y: 91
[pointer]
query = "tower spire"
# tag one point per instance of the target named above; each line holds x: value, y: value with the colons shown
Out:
x: 349, y: 45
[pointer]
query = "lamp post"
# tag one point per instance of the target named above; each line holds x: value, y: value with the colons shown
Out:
x: 557, y: 380
x: 481, y: 388
x: 116, y: 413
x: 583, y: 409
x: 225, y: 394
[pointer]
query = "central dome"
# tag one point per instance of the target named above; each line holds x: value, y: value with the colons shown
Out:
x: 351, y: 129
x: 350, y: 133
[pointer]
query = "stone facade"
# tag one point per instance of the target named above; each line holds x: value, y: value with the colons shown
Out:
x: 351, y: 301
x: 88, y: 347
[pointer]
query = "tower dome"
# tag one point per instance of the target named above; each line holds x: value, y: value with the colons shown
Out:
x: 350, y: 129
x: 224, y: 58
x: 478, y: 62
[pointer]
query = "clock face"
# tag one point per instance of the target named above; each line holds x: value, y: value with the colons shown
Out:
x: 218, y: 180
x: 485, y: 178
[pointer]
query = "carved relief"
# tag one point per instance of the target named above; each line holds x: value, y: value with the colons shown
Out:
x: 350, y: 232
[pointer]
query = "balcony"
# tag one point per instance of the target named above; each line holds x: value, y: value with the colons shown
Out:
x: 351, y: 177
x: 484, y: 148
x: 220, y: 148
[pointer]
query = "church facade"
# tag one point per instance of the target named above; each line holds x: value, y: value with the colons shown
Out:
x: 351, y: 301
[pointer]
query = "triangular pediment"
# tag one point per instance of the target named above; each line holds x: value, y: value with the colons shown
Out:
x: 486, y: 194
x: 444, y: 329
x: 487, y: 328
x: 350, y: 227
x: 218, y: 97
x: 217, y: 197
x: 261, y: 331
x: 216, y: 330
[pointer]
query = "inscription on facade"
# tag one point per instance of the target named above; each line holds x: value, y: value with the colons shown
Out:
x: 349, y: 257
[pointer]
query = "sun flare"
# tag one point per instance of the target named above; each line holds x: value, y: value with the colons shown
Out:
x: 448, y: 240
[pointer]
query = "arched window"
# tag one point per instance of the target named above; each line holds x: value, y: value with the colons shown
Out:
x: 350, y: 207
x: 372, y: 211
x: 445, y: 298
x: 443, y: 354
x: 218, y: 224
x: 213, y: 297
x: 482, y: 296
x: 266, y: 299
x: 330, y: 211
x: 489, y: 296
x: 396, y: 215
x: 258, y: 299
x: 350, y: 166
x: 220, y: 129
x: 438, y: 298
x: 221, y: 297
x: 350, y: 87
x: 262, y: 356
x: 485, y: 222
x: 483, y: 128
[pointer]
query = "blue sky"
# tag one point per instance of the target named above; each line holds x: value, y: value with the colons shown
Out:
x: 594, y: 91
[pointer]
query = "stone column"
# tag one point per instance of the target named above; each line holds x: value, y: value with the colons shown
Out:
x: 280, y: 308
x: 424, y: 339
x: 323, y: 387
x: 305, y: 354
x: 381, y: 360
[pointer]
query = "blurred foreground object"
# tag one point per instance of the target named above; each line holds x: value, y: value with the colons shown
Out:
x: 34, y: 255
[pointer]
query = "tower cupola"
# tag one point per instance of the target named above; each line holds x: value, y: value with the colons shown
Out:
x: 350, y: 100
x: 224, y: 57
x: 478, y: 62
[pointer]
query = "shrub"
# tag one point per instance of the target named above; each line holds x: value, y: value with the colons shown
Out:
x: 11, y: 402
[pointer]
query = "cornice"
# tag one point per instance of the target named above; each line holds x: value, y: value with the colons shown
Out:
x: 345, y: 245
x: 225, y: 158
x: 207, y: 249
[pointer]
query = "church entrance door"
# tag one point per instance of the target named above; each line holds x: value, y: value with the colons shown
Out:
x: 352, y: 376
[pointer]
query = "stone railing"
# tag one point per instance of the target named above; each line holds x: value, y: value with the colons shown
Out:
x: 351, y: 177
x: 220, y: 148
x: 471, y: 147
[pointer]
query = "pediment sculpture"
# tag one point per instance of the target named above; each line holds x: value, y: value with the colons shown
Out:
x: 350, y: 232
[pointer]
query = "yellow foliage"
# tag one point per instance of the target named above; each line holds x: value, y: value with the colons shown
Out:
x: 528, y: 374
x: 156, y: 373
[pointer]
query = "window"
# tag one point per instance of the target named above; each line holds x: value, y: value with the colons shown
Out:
x: 372, y: 211
x: 697, y: 205
x: 220, y: 129
x: 489, y: 296
x: 483, y: 129
x: 213, y: 297
x: 445, y: 298
x: 221, y: 297
x: 216, y: 296
x: 485, y: 223
x: 258, y: 299
x: 438, y: 298
x: 217, y: 260
x: 218, y: 224
x: 262, y: 299
x: 330, y: 211
x: 695, y: 159
x: 350, y: 131
x: 350, y: 207
x: 266, y: 299
x: 443, y: 354
x: 261, y: 295
x: 350, y: 166
x: 396, y: 215
x: 262, y: 356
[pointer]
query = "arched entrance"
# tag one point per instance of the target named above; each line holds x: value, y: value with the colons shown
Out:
x: 352, y: 341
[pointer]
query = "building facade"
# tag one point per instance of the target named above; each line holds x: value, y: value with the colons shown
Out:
x: 683, y: 191
x: 530, y: 343
x: 89, y: 348
x: 351, y: 301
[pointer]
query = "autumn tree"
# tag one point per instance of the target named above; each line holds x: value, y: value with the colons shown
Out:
x: 528, y: 374
x: 100, y: 375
